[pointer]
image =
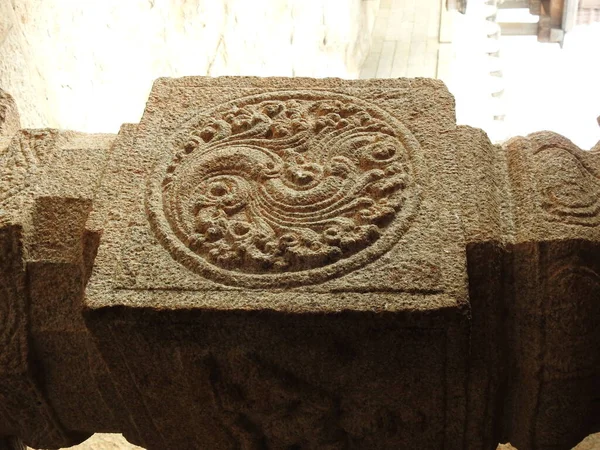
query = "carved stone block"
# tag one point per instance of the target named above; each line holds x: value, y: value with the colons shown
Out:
x: 287, y: 243
x: 298, y: 264
x: 45, y: 260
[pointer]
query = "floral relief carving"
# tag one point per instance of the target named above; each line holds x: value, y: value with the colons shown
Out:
x: 284, y: 183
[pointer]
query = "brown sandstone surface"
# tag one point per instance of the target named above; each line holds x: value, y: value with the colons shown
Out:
x: 592, y: 442
x: 298, y: 263
x: 106, y: 442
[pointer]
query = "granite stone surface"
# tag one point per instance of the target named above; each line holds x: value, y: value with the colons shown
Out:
x: 301, y: 264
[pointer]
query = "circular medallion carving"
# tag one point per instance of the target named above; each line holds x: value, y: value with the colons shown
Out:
x: 284, y: 188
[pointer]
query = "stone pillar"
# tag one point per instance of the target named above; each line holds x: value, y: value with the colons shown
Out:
x: 532, y: 216
x: 299, y: 263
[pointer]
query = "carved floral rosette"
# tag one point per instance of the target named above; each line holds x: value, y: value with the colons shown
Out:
x: 284, y: 188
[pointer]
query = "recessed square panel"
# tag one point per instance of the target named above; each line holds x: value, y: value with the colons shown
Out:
x: 311, y: 185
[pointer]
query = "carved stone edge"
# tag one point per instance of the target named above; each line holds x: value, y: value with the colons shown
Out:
x: 510, y: 233
x: 23, y: 404
x: 520, y: 150
x: 551, y: 200
x: 10, y: 121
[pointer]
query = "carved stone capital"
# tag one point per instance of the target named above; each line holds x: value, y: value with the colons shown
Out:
x: 299, y: 263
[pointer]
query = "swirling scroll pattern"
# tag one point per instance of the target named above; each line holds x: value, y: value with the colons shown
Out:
x: 285, y: 183
x: 569, y: 184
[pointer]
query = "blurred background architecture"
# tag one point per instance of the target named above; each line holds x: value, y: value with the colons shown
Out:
x: 514, y: 66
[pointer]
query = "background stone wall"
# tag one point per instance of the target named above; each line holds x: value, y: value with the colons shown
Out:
x: 88, y: 65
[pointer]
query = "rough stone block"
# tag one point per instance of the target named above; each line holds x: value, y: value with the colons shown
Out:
x: 289, y: 243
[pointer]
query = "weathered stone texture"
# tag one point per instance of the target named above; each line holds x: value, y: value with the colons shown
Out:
x: 300, y: 263
x: 591, y: 442
x: 10, y: 122
x: 105, y: 441
x: 506, y: 447
x: 44, y: 199
x: 294, y: 143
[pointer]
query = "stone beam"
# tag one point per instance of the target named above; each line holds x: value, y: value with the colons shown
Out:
x: 298, y: 263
